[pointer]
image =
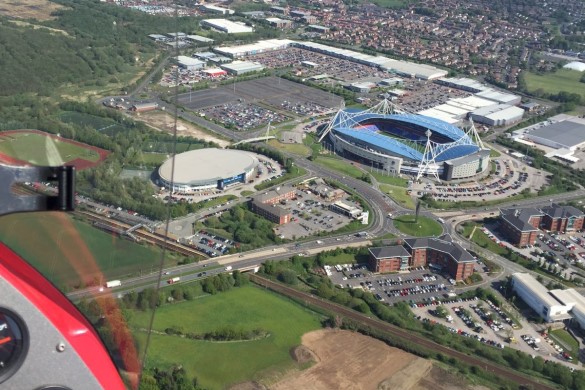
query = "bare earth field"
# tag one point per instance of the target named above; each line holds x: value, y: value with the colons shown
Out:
x: 348, y: 360
x: 29, y: 9
x: 164, y: 122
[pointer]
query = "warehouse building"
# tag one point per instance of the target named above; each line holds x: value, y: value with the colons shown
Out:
x: 227, y: 26
x: 500, y: 97
x: 253, y: 48
x: 521, y: 226
x: 212, y: 57
x: 318, y: 29
x: 497, y: 115
x: 413, y: 70
x: 242, y: 67
x: 567, y: 133
x: 190, y: 63
x: 144, y: 107
x: 214, y: 9
x: 438, y: 252
x: 542, y: 301
x: 199, y: 39
x: 279, y: 23
x: 462, y: 83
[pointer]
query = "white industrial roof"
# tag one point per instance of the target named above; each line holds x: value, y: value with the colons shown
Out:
x: 189, y: 61
x: 536, y: 288
x: 412, y: 69
x: 499, y: 111
x: 266, y: 45
x: 470, y: 102
x: 240, y: 66
x: 453, y: 110
x: 575, y: 65
x: 497, y: 96
x: 434, y: 113
x: 199, y: 38
x: 229, y: 26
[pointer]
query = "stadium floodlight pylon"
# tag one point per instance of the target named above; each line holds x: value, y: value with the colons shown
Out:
x: 428, y: 159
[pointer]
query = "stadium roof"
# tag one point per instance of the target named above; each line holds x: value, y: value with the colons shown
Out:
x: 383, y: 143
x: 433, y: 124
x: 567, y: 133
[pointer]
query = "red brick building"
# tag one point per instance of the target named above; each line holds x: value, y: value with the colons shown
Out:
x: 562, y: 218
x: 273, y: 213
x: 275, y: 196
x: 441, y: 252
x: 388, y: 259
x: 520, y: 226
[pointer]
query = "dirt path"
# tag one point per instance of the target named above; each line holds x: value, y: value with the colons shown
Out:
x: 164, y: 122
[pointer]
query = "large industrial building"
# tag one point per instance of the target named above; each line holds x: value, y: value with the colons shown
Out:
x: 242, y: 67
x: 497, y: 115
x: 397, y: 142
x: 227, y: 26
x: 190, y: 63
x: 438, y: 252
x: 521, y: 226
x: 211, y: 168
x: 539, y: 298
x: 553, y: 305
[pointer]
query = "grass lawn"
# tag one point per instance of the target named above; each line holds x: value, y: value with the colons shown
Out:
x: 41, y: 149
x: 568, y: 342
x: 562, y: 80
x: 399, y: 195
x: 392, y: 180
x: 425, y: 226
x: 339, y: 165
x: 494, y: 153
x: 301, y: 150
x: 66, y: 250
x: 219, y: 364
x: 154, y: 158
x: 482, y: 239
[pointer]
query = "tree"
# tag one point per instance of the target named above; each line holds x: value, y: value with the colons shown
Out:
x: 288, y: 276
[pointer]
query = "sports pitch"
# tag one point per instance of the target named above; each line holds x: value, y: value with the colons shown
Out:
x: 271, y: 91
x: 38, y: 148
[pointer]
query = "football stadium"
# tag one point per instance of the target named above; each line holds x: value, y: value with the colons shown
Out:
x: 394, y: 141
x: 203, y: 169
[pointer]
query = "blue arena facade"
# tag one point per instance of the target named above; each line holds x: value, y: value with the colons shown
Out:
x: 401, y: 143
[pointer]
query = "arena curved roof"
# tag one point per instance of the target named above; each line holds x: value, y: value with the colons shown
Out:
x: 350, y: 118
x: 206, y: 166
x: 383, y: 142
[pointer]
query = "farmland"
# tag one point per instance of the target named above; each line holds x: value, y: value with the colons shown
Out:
x: 66, y: 249
x: 218, y: 364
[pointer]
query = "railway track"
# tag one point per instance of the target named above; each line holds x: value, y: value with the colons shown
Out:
x: 402, y: 334
x: 145, y: 235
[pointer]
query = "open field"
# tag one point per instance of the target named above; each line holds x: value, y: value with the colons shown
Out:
x: 299, y: 149
x: 164, y: 122
x: 219, y: 364
x: 562, y: 80
x: 399, y: 195
x: 392, y: 180
x: 423, y: 228
x: 351, y: 360
x: 38, y: 148
x: 106, y: 125
x: 29, y: 9
x: 66, y: 250
x: 339, y: 165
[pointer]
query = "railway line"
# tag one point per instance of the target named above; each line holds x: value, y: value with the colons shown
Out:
x: 145, y: 235
x: 402, y: 334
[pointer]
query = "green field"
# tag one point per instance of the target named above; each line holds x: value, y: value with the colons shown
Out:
x: 482, y: 239
x: 399, y: 195
x: 562, y: 80
x: 219, y: 364
x: 386, y: 179
x: 40, y: 149
x: 301, y: 150
x: 154, y: 158
x: 339, y: 165
x: 423, y: 228
x: 106, y: 125
x: 66, y: 250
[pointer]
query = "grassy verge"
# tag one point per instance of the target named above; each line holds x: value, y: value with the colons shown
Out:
x: 399, y: 195
x: 219, y: 364
x: 339, y: 165
x: 392, y: 180
x: 296, y: 172
x: 568, y: 342
x: 301, y: 150
x: 423, y: 228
